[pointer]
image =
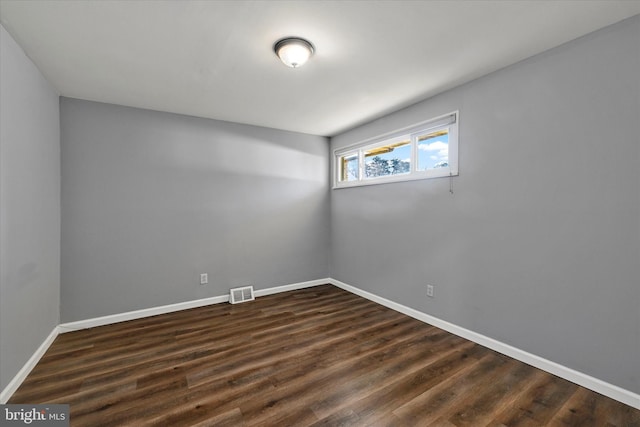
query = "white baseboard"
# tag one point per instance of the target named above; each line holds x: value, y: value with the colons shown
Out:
x: 139, y: 314
x: 154, y: 311
x: 31, y: 363
x: 617, y: 393
x: 292, y: 287
x: 625, y: 396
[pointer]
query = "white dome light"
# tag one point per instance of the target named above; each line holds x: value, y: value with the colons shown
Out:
x: 293, y: 52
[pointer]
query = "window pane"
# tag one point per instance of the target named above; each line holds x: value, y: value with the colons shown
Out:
x: 349, y: 167
x: 391, y: 159
x: 433, y: 150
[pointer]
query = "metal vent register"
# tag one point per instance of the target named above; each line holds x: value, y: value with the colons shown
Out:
x: 238, y: 295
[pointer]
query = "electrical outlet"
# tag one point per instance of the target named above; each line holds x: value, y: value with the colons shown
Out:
x: 204, y: 278
x: 430, y: 291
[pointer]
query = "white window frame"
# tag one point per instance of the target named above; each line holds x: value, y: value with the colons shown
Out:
x: 446, y: 121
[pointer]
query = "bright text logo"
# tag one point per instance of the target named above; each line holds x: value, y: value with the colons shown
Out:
x: 36, y: 415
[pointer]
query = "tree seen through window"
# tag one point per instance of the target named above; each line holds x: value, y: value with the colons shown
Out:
x: 392, y: 159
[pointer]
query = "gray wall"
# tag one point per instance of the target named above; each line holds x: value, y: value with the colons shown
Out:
x: 539, y: 247
x: 30, y: 208
x: 150, y: 200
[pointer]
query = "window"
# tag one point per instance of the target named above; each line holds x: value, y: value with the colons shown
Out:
x: 426, y: 150
x: 392, y: 158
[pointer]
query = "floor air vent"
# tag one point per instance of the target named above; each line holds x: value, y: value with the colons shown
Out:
x: 238, y: 295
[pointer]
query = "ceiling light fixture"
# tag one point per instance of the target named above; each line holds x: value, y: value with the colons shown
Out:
x: 293, y: 51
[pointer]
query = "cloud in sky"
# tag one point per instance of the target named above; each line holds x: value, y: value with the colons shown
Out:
x: 442, y: 149
x: 434, y: 146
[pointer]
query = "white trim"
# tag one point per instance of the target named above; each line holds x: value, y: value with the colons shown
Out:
x: 415, y: 176
x: 139, y: 314
x: 292, y: 287
x: 26, y: 369
x: 617, y: 393
x: 416, y: 127
x: 154, y: 311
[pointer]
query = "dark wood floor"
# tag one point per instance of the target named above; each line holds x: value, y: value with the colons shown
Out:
x: 317, y: 356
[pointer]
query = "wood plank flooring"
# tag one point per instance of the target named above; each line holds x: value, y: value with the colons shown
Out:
x: 312, y: 357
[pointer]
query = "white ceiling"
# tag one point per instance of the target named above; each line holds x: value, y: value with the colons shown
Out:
x: 214, y: 58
